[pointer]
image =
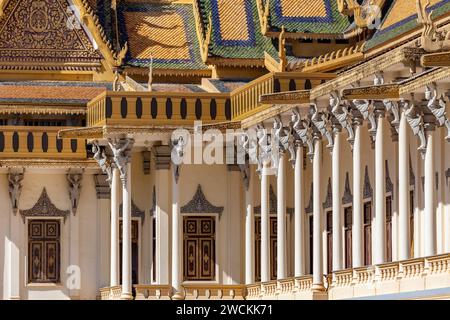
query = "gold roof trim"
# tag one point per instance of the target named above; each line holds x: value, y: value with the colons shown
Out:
x: 440, y: 59
x: 30, y: 109
x: 397, y: 90
x: 331, y: 61
x: 169, y: 72
x: 48, y: 163
x: 361, y: 71
x: 290, y: 97
x: 386, y: 91
x: 114, y: 58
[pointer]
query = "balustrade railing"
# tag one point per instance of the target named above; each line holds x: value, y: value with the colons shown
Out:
x: 38, y: 142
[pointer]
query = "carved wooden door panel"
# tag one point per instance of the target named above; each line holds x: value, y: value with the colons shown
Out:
x: 272, y: 246
x: 134, y: 251
x: 348, y: 220
x: 367, y: 233
x: 388, y: 229
x: 199, y: 248
x: 44, y: 251
x: 329, y: 231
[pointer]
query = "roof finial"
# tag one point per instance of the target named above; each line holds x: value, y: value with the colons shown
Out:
x: 282, y: 49
x: 150, y: 73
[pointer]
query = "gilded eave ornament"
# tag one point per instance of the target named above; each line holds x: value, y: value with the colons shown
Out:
x: 431, y: 39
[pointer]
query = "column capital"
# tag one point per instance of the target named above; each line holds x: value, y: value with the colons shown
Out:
x: 121, y: 149
x: 284, y: 140
x: 415, y: 121
x: 177, y: 154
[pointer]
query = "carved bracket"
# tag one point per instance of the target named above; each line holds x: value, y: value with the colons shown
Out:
x: 15, y: 189
x: 74, y: 180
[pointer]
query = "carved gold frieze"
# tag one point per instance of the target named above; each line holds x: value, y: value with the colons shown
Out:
x: 39, y: 32
x: 441, y: 59
x: 389, y: 91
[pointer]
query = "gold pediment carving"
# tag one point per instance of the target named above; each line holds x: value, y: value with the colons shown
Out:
x: 38, y: 32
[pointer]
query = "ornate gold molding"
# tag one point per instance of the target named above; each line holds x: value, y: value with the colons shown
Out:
x: 440, y: 59
x: 388, y: 91
x: 292, y: 97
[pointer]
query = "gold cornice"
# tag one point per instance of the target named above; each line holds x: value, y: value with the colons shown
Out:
x: 42, y: 109
x: 82, y: 133
x: 47, y: 163
x: 397, y: 90
x: 387, y: 91
x: 290, y: 97
x: 169, y: 72
x: 440, y: 59
x: 233, y: 62
x: 366, y: 69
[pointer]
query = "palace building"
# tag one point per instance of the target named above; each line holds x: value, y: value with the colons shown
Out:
x: 328, y: 125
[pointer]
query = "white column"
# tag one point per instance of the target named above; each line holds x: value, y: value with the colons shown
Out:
x: 281, y: 218
x: 380, y: 196
x: 336, y: 187
x: 126, y: 235
x: 265, y: 245
x: 317, y: 218
x: 429, y: 193
x: 299, y: 227
x: 13, y: 281
x: 249, y: 233
x: 114, y: 275
x: 176, y: 252
x: 403, y: 189
x: 357, y: 232
x: 163, y: 212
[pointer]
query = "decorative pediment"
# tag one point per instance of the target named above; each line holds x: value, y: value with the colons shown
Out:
x: 44, y: 208
x: 412, y: 177
x: 310, y: 207
x: 199, y: 204
x: 347, y: 198
x: 135, y: 211
x: 367, y: 190
x: 43, y: 31
x: 328, y: 203
x: 389, y: 184
x: 272, y: 204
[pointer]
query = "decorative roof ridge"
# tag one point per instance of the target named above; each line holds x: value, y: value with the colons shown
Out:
x: 323, y: 60
x: 113, y: 57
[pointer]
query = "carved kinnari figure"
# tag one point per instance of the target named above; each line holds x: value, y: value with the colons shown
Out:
x: 303, y: 130
x: 415, y: 121
x: 341, y: 115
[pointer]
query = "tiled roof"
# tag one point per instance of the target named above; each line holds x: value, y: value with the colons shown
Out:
x: 50, y: 92
x: 227, y: 86
x: 402, y: 18
x: 307, y: 16
x: 236, y: 32
x: 163, y: 31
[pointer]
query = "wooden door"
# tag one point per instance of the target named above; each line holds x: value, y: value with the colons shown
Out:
x: 329, y: 229
x: 272, y: 246
x: 348, y: 221
x: 367, y: 233
x: 199, y: 248
x: 388, y: 229
x: 134, y: 251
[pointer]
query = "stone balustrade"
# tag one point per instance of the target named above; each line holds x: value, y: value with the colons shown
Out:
x: 213, y: 292
x: 153, y: 292
x: 111, y: 293
x: 392, y: 278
